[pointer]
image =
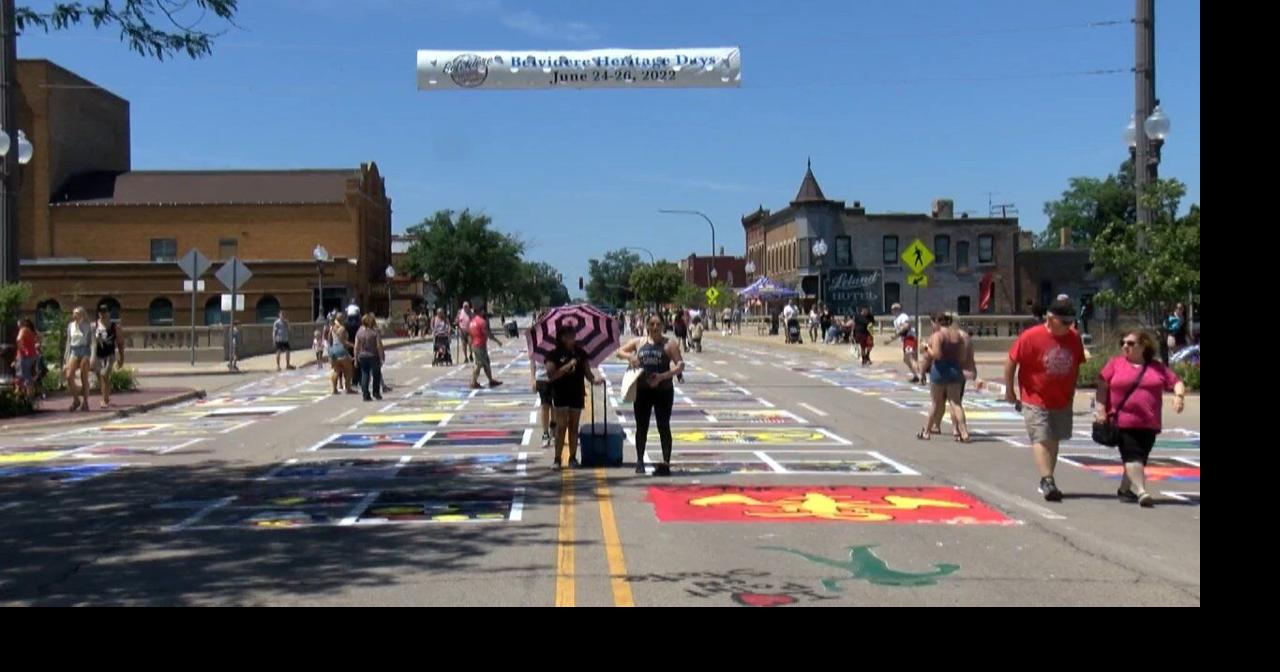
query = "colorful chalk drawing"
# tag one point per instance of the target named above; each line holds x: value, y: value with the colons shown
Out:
x: 753, y: 462
x: 23, y: 454
x: 206, y: 426
x: 821, y: 504
x: 494, y: 418
x: 744, y: 587
x: 62, y: 473
x: 756, y: 417
x: 496, y: 403
x: 455, y: 438
x: 335, y: 469
x: 435, y: 506
x: 247, y: 411
x: 403, y: 419
x: 109, y: 449
x: 373, y: 441
x: 863, y: 565
x: 465, y: 466
x: 816, y: 436
x: 1158, y: 468
x: 116, y: 431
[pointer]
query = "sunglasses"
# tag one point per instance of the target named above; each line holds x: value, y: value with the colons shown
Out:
x: 1128, y: 344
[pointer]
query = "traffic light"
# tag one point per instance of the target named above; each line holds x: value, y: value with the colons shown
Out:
x: 581, y: 286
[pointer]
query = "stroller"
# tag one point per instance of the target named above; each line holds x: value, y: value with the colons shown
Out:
x: 443, y: 352
x: 793, y: 331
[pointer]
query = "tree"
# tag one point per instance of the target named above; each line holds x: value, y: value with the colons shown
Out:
x: 609, y: 278
x: 464, y: 257
x: 690, y: 294
x: 1089, y: 207
x: 12, y: 298
x: 156, y: 28
x: 1154, y: 265
x: 540, y: 286
x: 658, y: 283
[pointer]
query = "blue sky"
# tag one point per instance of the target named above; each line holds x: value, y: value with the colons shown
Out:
x: 897, y: 103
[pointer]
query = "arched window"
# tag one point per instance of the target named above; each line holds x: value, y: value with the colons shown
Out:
x: 160, y: 312
x: 213, y: 314
x: 268, y: 308
x: 112, y: 306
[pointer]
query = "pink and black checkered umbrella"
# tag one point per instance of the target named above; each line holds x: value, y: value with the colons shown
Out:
x: 596, y: 333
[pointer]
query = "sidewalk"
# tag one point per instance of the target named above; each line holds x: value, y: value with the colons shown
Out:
x: 53, y: 411
x: 256, y: 364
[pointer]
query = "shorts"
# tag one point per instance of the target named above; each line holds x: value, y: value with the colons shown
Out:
x: 909, y: 345
x: 1044, y: 425
x: 544, y: 392
x: 481, y: 357
x: 945, y: 373
x: 1136, y: 444
x: 282, y: 346
x: 80, y: 351
x: 27, y: 369
x: 103, y: 365
x: 570, y: 401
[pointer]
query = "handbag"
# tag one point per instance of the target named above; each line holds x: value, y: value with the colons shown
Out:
x: 1108, y: 433
x: 631, y: 383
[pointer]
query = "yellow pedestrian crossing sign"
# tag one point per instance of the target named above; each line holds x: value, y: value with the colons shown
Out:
x: 917, y: 257
x: 918, y: 279
x: 713, y: 296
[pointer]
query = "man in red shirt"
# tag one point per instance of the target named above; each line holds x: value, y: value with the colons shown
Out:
x: 480, y: 335
x: 1047, y: 359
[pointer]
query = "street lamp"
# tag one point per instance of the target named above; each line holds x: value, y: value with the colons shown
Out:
x: 820, y: 256
x: 391, y: 274
x: 1155, y: 128
x: 652, y: 260
x: 750, y: 268
x: 25, y: 150
x: 321, y: 255
x: 713, y: 234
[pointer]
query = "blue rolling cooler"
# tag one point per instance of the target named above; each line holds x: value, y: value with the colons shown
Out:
x: 601, y: 449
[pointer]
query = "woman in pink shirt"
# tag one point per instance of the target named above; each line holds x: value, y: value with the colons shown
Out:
x: 1141, y: 377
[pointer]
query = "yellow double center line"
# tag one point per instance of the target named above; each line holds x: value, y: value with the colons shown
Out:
x: 612, y: 544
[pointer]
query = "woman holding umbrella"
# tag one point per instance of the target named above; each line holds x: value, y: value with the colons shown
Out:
x: 661, y: 360
x: 570, y: 340
x: 568, y: 370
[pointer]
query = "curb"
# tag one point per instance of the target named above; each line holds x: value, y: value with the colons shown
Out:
x: 122, y: 413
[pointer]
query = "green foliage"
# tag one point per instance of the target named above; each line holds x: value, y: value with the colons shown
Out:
x: 155, y: 28
x: 609, y: 279
x: 13, y: 405
x: 12, y: 298
x: 1154, y: 264
x: 655, y: 284
x: 465, y: 258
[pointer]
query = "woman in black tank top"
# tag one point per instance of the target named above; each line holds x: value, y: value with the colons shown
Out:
x: 660, y: 359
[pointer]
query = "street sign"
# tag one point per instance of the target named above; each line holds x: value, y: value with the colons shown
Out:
x: 193, y: 285
x: 226, y: 302
x: 918, y: 279
x: 194, y: 264
x: 233, y: 274
x: 713, y: 295
x: 917, y: 257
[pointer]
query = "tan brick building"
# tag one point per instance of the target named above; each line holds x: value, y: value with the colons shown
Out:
x: 92, y: 231
x: 863, y: 265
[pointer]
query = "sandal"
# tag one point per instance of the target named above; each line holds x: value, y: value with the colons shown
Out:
x: 923, y: 435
